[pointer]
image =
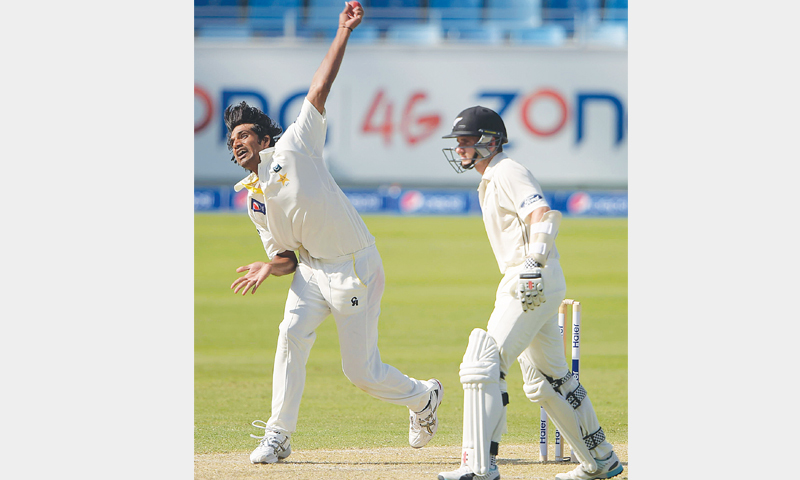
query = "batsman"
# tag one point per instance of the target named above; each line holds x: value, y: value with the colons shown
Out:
x: 524, y: 323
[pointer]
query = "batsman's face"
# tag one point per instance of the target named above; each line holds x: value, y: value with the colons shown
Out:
x: 245, y: 146
x: 464, y: 151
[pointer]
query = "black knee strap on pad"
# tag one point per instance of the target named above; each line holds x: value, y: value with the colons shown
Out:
x: 557, y: 382
x: 494, y: 448
x: 576, y: 397
x: 594, y: 439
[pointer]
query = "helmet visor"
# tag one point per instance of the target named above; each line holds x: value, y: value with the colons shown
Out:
x: 455, y: 160
x: 481, y: 149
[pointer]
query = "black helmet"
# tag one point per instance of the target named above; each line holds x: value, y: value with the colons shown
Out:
x: 478, y: 121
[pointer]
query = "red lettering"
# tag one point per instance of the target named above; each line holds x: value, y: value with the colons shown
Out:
x: 385, y: 127
x: 542, y: 95
x: 428, y: 123
x: 206, y: 99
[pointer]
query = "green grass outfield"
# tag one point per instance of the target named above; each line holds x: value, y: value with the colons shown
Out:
x: 441, y: 278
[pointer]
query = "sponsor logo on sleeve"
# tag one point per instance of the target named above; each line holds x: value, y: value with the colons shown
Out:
x: 533, y: 198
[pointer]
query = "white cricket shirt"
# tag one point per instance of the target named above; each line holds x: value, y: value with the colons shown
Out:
x: 508, y: 193
x: 294, y: 201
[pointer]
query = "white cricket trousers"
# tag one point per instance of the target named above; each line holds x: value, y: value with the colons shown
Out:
x: 535, y: 333
x: 349, y: 288
x: 533, y: 338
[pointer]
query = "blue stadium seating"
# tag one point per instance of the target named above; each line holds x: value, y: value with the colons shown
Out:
x: 217, y: 14
x: 394, y: 4
x: 487, y: 35
x: 509, y: 14
x: 217, y: 3
x: 362, y: 34
x: 570, y: 14
x: 274, y: 8
x: 276, y: 4
x: 456, y: 13
x: 608, y: 34
x: 322, y: 13
x: 616, y: 11
x: 546, y: 35
x: 320, y: 19
x: 385, y: 13
x: 476, y: 21
x: 274, y: 17
x: 365, y: 33
x: 321, y: 16
x: 413, y: 34
x: 232, y: 32
x: 616, y: 4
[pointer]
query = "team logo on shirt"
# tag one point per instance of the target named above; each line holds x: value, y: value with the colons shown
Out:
x: 283, y: 179
x: 257, y: 206
x: 530, y: 200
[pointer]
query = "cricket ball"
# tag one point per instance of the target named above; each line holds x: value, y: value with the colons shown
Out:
x: 355, y: 4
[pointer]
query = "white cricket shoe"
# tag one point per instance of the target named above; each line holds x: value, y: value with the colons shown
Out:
x: 423, y: 425
x: 466, y: 473
x: 273, y: 446
x: 610, y: 467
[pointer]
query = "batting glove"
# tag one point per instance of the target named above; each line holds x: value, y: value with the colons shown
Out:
x: 531, y: 285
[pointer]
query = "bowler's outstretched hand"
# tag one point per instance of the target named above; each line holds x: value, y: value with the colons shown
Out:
x: 351, y: 15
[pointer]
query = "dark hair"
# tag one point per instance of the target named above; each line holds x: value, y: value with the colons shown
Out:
x: 263, y: 126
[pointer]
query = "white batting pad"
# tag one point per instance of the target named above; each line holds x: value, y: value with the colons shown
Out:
x: 483, y: 403
x: 559, y: 411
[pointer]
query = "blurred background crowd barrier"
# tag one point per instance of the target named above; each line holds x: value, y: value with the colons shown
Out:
x: 539, y: 22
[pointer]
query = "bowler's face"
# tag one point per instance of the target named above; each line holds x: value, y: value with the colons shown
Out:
x: 245, y: 146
